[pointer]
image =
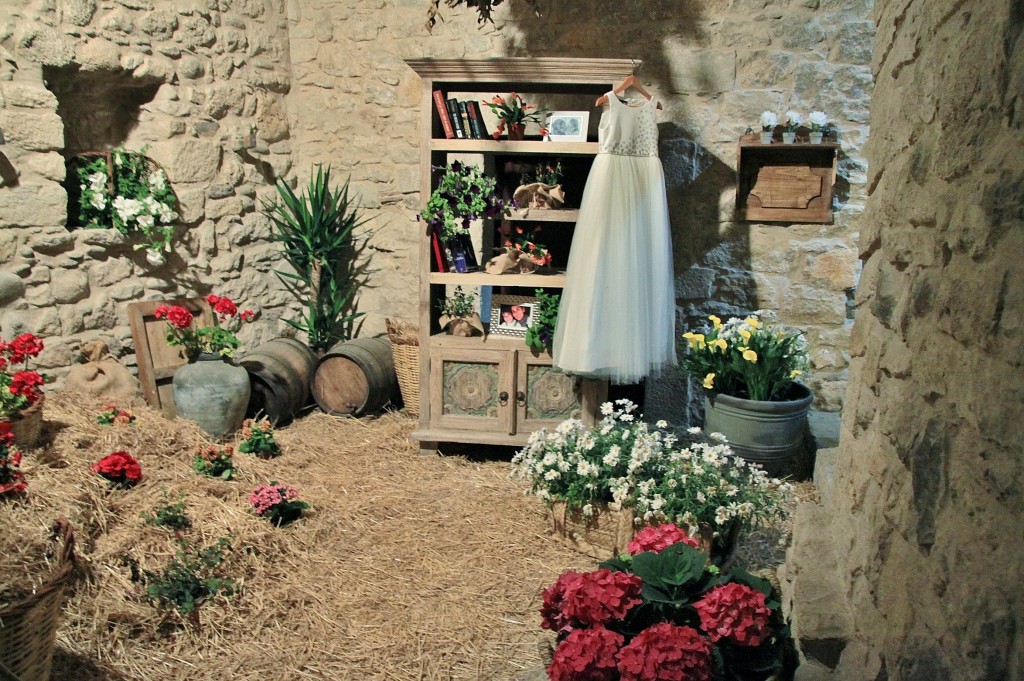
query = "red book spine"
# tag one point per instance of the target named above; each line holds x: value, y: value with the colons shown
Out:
x: 442, y: 112
x: 439, y: 255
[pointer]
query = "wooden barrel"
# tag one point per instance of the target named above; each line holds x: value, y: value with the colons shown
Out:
x: 280, y: 371
x: 355, y: 377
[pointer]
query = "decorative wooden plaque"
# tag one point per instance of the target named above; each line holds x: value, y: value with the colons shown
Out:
x: 785, y: 182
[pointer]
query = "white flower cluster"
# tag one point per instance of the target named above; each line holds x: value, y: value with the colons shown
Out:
x: 148, y: 211
x: 622, y: 462
x: 817, y: 120
x: 98, y: 188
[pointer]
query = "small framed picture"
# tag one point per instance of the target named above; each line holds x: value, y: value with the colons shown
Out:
x: 568, y: 126
x: 511, y: 315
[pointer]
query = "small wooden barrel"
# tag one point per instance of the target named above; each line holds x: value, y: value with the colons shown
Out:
x: 280, y: 371
x: 355, y: 377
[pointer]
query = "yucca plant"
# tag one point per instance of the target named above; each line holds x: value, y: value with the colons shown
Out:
x: 317, y: 231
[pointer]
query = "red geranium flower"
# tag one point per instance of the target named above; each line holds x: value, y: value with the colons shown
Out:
x: 736, y: 612
x: 24, y: 346
x: 666, y: 652
x: 586, y: 655
x: 24, y: 383
x: 659, y: 537
x: 119, y: 467
x: 247, y: 315
x: 6, y: 434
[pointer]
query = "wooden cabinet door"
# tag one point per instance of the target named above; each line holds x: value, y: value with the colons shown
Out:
x: 545, y: 396
x: 472, y: 389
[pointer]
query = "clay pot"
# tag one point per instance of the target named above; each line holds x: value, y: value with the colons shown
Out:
x: 212, y: 392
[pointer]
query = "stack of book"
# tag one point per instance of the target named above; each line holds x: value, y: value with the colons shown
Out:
x: 461, y: 120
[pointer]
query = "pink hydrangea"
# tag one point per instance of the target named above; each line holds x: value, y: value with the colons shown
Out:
x: 659, y: 537
x: 666, y: 652
x: 265, y: 497
x: 735, y: 612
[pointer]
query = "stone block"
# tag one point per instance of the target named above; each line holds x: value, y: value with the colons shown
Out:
x: 27, y: 206
x: 700, y: 71
x: 49, y: 166
x: 854, y: 43
x: 765, y: 69
x: 11, y: 288
x: 43, y: 44
x: 53, y: 243
x: 811, y: 670
x: 32, y: 130
x: 78, y: 12
x: 842, y: 90
x: 28, y: 95
x: 837, y: 268
x: 110, y: 271
x: 696, y: 283
x: 189, y: 160
x: 70, y: 287
x: 196, y: 32
x: 741, y: 109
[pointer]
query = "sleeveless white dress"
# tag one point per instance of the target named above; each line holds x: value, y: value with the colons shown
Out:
x: 616, y: 319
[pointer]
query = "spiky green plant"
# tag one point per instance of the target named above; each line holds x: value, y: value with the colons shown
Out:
x: 317, y: 231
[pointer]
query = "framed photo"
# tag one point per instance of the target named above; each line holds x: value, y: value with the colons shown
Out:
x: 511, y: 315
x: 568, y: 126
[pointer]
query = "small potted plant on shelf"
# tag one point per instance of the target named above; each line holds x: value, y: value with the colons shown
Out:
x: 520, y: 254
x: 463, y: 193
x: 458, y: 314
x: 542, y: 190
x: 793, y: 121
x: 513, y: 113
x: 818, y: 120
x: 750, y: 369
x: 768, y: 122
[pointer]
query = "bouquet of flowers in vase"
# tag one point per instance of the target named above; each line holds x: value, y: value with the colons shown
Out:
x: 663, y: 612
x: 215, y: 339
x: 755, y: 357
x: 513, y: 113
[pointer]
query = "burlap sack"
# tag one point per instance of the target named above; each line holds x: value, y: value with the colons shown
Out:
x: 101, y: 375
x: 462, y: 326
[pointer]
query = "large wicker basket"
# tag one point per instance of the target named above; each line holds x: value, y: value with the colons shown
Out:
x: 28, y: 629
x: 405, y: 346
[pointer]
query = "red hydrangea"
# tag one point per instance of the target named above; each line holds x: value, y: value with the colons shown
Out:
x: 735, y: 612
x: 659, y: 537
x: 175, y: 314
x: 119, y: 467
x: 666, y: 652
x: 600, y: 596
x: 552, y: 612
x: 586, y: 655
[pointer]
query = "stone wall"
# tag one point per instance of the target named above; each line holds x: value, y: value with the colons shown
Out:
x: 188, y: 79
x: 923, y: 506
x: 325, y: 82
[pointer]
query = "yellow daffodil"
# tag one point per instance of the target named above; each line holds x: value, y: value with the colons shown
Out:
x: 716, y: 321
x: 745, y: 334
x: 752, y: 322
x: 720, y: 344
x: 750, y: 355
x: 795, y: 372
x: 709, y: 381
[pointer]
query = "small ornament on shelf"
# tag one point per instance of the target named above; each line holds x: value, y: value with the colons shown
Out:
x: 768, y: 122
x: 459, y: 315
x: 793, y: 121
x: 818, y: 121
x: 521, y: 254
x: 513, y: 113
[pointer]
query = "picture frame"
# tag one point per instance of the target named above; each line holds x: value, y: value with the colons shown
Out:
x: 567, y: 126
x: 512, y: 315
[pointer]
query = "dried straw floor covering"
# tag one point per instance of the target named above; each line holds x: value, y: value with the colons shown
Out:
x: 406, y: 566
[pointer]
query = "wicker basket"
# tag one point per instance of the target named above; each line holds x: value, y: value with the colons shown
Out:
x: 28, y: 629
x: 606, y: 534
x: 405, y: 346
x: 27, y: 425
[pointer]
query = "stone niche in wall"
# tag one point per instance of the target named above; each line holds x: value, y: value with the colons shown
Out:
x: 99, y: 108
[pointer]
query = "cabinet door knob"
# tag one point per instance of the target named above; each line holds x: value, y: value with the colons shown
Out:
x: 521, y: 398
x: 503, y: 397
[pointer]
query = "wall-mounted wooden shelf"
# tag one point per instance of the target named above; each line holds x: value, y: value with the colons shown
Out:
x: 785, y: 182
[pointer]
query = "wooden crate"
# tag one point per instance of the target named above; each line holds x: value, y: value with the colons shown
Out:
x: 785, y: 182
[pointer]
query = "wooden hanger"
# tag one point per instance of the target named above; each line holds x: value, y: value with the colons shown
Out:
x: 628, y: 82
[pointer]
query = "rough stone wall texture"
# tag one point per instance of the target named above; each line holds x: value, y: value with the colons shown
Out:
x: 207, y: 71
x: 324, y: 81
x: 927, y: 506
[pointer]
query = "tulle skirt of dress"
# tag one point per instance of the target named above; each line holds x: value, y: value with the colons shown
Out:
x: 617, y: 315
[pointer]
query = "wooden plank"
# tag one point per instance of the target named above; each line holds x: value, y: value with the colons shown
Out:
x: 545, y: 214
x: 432, y: 436
x: 554, y: 280
x: 526, y: 70
x: 523, y: 148
x: 157, y: 360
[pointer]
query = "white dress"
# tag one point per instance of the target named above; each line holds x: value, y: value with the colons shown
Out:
x: 617, y: 315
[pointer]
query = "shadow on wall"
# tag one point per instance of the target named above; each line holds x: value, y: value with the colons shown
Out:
x: 708, y: 263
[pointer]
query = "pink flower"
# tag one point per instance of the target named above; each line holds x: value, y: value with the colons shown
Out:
x: 659, y: 537
x: 735, y: 612
x: 666, y: 652
x: 586, y: 655
x: 583, y: 600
